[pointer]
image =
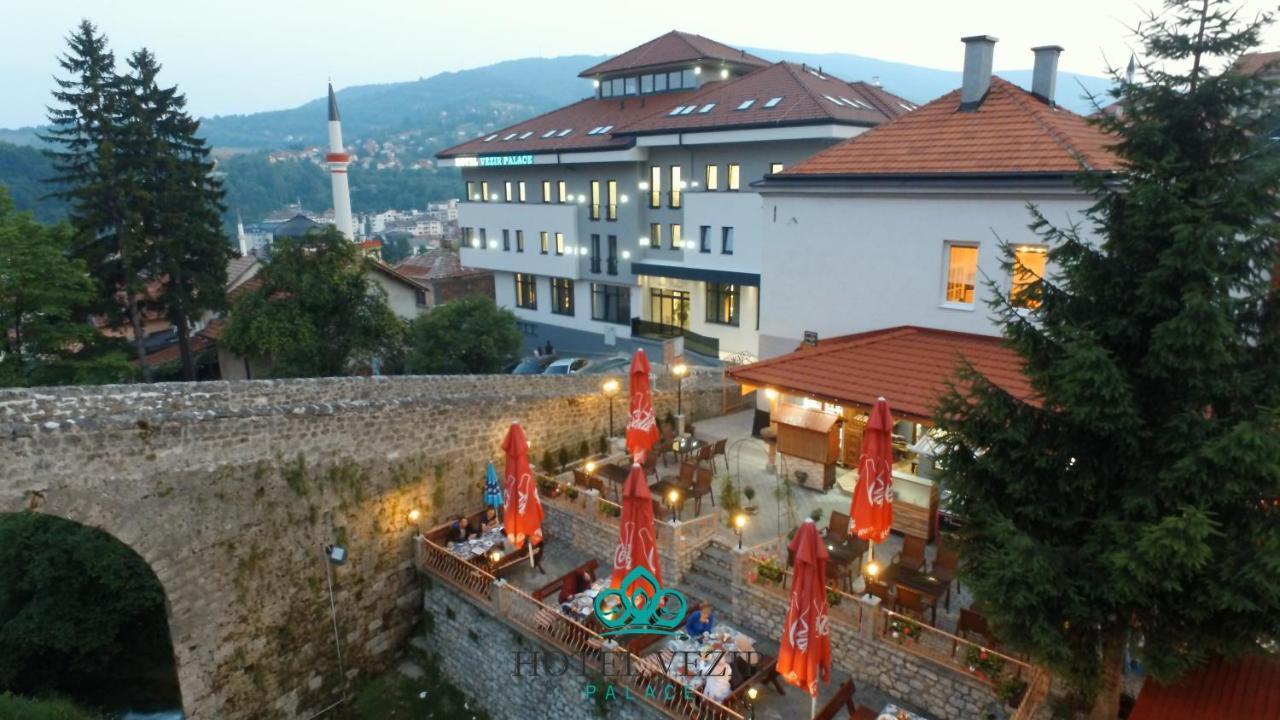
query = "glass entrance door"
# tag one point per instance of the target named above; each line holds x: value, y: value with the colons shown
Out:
x: 669, y: 307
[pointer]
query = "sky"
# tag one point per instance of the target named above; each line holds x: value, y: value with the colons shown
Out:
x: 253, y: 55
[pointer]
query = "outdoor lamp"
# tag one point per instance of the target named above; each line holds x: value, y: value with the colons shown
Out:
x: 610, y: 389
x: 873, y: 569
x: 679, y: 370
x: 414, y: 515
x: 752, y: 694
x: 495, y: 556
x: 672, y: 497
x: 770, y: 393
x: 739, y: 524
x: 590, y: 467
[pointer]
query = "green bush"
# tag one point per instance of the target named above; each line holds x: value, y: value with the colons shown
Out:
x: 562, y: 456
x: 13, y: 707
x: 584, y: 450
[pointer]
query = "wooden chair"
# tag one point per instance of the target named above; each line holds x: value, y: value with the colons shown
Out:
x: 705, y: 455
x: 587, y: 481
x: 913, y: 602
x: 880, y: 590
x: 766, y: 674
x: 685, y: 478
x: 651, y: 465
x: 912, y: 555
x: 718, y: 449
x: 666, y: 445
x: 839, y: 577
x: 973, y: 623
x: 701, y: 487
x: 842, y: 699
x: 838, y: 526
x: 946, y: 567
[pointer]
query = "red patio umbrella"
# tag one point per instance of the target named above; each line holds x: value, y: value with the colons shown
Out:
x: 642, y: 426
x: 637, y: 546
x: 523, y: 512
x: 871, y: 508
x: 804, y: 655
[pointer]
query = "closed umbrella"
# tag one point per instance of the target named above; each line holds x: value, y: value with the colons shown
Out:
x: 642, y: 426
x: 636, y: 543
x: 523, y: 514
x: 492, y: 490
x: 871, y: 509
x: 804, y: 654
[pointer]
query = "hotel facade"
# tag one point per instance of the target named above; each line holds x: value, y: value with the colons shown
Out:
x: 630, y: 216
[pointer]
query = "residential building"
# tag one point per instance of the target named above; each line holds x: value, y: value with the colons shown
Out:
x: 630, y: 215
x: 444, y: 276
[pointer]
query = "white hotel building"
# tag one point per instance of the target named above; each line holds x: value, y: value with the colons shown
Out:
x: 629, y: 215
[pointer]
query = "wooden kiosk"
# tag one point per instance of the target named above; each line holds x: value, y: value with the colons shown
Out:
x: 808, y: 446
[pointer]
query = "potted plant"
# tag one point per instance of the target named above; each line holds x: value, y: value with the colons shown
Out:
x: 904, y: 629
x: 816, y: 515
x: 768, y: 570
x: 1010, y: 691
x: 982, y: 663
x: 750, y: 494
x: 571, y: 492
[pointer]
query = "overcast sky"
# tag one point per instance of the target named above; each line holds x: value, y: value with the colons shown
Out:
x: 236, y: 56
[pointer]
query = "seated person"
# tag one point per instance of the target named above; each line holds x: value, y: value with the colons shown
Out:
x: 700, y: 622
x: 746, y: 661
x: 718, y: 680
x: 489, y: 520
x: 462, y: 530
x: 579, y: 581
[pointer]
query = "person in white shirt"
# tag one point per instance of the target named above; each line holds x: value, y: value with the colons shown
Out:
x: 717, y: 685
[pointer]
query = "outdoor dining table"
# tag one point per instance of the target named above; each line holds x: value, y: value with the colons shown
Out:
x: 688, y: 445
x: 615, y: 474
x: 695, y: 655
x: 477, y: 548
x: 581, y: 607
x: 845, y: 553
x: 922, y: 583
x: 659, y: 490
x: 893, y: 712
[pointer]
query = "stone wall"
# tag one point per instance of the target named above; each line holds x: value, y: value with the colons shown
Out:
x: 231, y: 490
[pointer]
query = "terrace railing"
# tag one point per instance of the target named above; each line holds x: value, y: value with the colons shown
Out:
x: 459, y: 573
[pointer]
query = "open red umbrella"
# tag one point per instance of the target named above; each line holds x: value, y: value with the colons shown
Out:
x: 523, y: 511
x: 804, y: 655
x: 642, y: 426
x: 872, y: 506
x: 637, y: 546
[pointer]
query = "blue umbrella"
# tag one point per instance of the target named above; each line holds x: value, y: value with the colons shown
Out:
x: 492, y: 491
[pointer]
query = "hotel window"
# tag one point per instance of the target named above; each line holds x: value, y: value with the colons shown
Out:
x: 612, y: 213
x: 712, y: 180
x: 544, y: 242
x: 676, y: 236
x: 508, y: 192
x: 775, y: 168
x: 595, y: 252
x: 561, y: 296
x: 526, y: 291
x: 468, y: 236
x: 471, y: 190
x: 726, y: 241
x: 655, y: 186
x: 655, y: 235
x: 722, y: 303
x: 687, y: 79
x: 546, y: 191
x: 522, y: 189
x: 659, y: 82
x: 1028, y: 267
x: 962, y: 273
x: 484, y: 239
x: 484, y: 191
x: 519, y: 241
x: 611, y: 303
x: 630, y: 86
x: 675, y: 186
x: 564, y: 191
x: 612, y: 266
x: 506, y: 240
x: 646, y: 83
x: 704, y: 239
x: 735, y: 176
x: 595, y: 199
x: 559, y: 243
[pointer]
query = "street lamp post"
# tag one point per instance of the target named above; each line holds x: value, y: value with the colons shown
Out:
x: 672, y: 498
x: 752, y: 694
x: 740, y: 525
x: 610, y: 388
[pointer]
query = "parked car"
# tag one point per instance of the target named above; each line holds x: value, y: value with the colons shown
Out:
x: 533, y: 365
x: 615, y: 365
x: 566, y: 366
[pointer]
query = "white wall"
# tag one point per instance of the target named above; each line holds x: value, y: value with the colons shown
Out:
x: 840, y: 264
x: 402, y: 299
x: 505, y: 296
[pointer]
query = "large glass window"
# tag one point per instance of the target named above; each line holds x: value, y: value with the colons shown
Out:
x: 704, y: 239
x: 559, y: 243
x: 1028, y: 268
x: 611, y: 303
x: 655, y: 235
x: 676, y: 236
x: 659, y: 82
x: 646, y: 83
x: 775, y: 168
x: 484, y: 191
x: 722, y: 304
x: 962, y: 273
x: 726, y: 240
x: 468, y: 236
x: 687, y: 79
x: 519, y: 241
x: 526, y: 291
x: 484, y: 239
x: 544, y: 242
x: 675, y: 186
x: 674, y: 80
x: 508, y: 192
x: 669, y: 307
x: 471, y: 190
x: 612, y: 263
x: 735, y: 176
x: 630, y: 86
x: 595, y: 252
x: 561, y: 296
x: 655, y: 186
x: 712, y: 179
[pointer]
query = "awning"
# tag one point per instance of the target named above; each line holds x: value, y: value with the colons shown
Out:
x: 910, y: 366
x: 683, y: 272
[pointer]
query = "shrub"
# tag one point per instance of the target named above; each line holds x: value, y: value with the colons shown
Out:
x: 602, y: 445
x: 548, y: 464
x: 13, y: 707
x: 749, y: 492
x: 816, y: 515
x: 584, y: 450
x: 562, y: 456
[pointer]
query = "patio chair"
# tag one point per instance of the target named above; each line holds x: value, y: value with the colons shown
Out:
x: 704, y: 455
x: 651, y: 465
x: 946, y: 565
x: 718, y: 449
x: 842, y: 699
x: 701, y: 487
x: 685, y: 478
x: 840, y: 577
x: 838, y: 526
x: 911, y: 556
x: 666, y: 445
x: 880, y: 590
x: 970, y: 623
x: 913, y: 602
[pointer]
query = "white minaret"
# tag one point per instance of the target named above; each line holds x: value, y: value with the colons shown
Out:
x: 338, y: 160
x: 241, y: 240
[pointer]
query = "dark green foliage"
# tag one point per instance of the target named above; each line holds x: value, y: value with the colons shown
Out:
x: 316, y: 313
x: 13, y: 707
x: 584, y: 450
x: 25, y: 171
x: 80, y: 614
x: 602, y: 445
x: 45, y: 298
x: 547, y: 463
x: 469, y: 335
x: 1135, y: 498
x: 392, y: 696
x: 562, y: 457
x: 395, y: 247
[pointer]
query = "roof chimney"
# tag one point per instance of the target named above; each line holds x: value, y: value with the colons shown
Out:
x: 1044, y: 79
x: 978, y: 52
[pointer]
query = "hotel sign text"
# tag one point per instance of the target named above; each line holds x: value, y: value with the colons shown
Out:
x: 504, y: 160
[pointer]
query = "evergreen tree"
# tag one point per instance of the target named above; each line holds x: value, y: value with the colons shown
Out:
x: 103, y: 196
x: 180, y: 214
x: 315, y: 313
x: 1133, y: 504
x: 45, y: 296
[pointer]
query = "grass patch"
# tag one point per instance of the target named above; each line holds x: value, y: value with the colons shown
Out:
x: 13, y: 707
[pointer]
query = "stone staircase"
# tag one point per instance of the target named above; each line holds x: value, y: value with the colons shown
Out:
x: 711, y: 578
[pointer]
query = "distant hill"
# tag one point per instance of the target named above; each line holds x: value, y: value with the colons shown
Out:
x: 23, y: 170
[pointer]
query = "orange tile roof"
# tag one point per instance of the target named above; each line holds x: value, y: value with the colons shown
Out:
x: 198, y: 343
x: 807, y: 96
x: 1259, y: 62
x: 910, y: 366
x: 214, y: 329
x: 674, y: 47
x: 1243, y: 689
x: 1012, y: 131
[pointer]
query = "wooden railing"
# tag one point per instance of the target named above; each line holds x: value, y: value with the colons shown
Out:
x: 454, y: 570
x: 1037, y: 694
x: 920, y: 638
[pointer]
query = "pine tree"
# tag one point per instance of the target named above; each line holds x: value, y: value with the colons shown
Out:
x: 104, y: 198
x: 181, y: 217
x: 1134, y: 503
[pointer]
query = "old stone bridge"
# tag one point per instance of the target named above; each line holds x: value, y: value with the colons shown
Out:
x: 230, y: 491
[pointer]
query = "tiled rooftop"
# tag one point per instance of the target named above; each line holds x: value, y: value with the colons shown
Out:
x: 673, y: 47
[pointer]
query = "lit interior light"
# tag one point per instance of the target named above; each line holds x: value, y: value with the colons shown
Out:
x: 688, y: 244
x: 626, y: 254
x: 695, y: 183
x: 582, y: 251
x: 683, y: 185
x: 770, y: 393
x: 595, y: 83
x: 493, y: 244
x: 475, y: 197
x: 495, y: 197
x: 582, y: 198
